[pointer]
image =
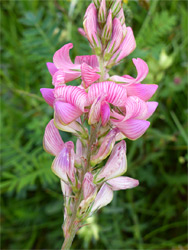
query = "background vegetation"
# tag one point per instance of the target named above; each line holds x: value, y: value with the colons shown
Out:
x: 152, y: 216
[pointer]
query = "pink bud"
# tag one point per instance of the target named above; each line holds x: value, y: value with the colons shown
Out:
x: 105, y: 148
x: 89, y: 187
x: 63, y: 164
x: 102, y: 12
x: 115, y: 7
x: 103, y: 198
x: 116, y: 164
x: 121, y: 16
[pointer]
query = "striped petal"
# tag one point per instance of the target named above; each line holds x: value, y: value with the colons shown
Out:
x: 122, y: 182
x: 103, y: 198
x: 116, y: 164
x: 63, y: 164
x: 89, y: 74
x: 127, y: 46
x: 48, y: 95
x: 88, y: 186
x: 51, y: 68
x: 135, y: 108
x: 95, y: 111
x: 143, y: 91
x: 64, y: 76
x: 115, y: 93
x: 62, y: 59
x: 52, y: 141
x: 132, y: 128
x: 90, y: 60
x: 142, y: 71
x: 66, y: 112
x: 73, y: 95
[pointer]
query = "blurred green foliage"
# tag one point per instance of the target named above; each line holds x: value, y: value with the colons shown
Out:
x: 151, y: 216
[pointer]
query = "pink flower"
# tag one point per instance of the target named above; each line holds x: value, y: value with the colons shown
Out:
x: 63, y: 70
x: 122, y: 182
x: 133, y: 124
x: 70, y: 102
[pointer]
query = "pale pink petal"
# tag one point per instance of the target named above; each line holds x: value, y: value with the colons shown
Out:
x: 88, y: 186
x: 114, y: 43
x: 95, y: 110
x: 143, y: 91
x: 151, y: 106
x: 122, y: 182
x: 142, y: 71
x: 89, y: 74
x: 132, y: 128
x: 135, y: 108
x: 51, y: 68
x: 62, y: 59
x: 103, y: 198
x: 114, y: 93
x: 116, y: 164
x: 117, y: 79
x: 72, y: 94
x: 52, y: 141
x: 66, y: 189
x: 64, y: 76
x: 66, y: 112
x: 105, y: 113
x: 48, y: 95
x: 63, y: 164
x: 127, y: 46
x: 90, y: 60
x: 105, y: 148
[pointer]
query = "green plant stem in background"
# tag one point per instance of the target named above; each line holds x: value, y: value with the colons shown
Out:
x: 74, y: 221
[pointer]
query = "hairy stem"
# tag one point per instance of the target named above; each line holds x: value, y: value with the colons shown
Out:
x: 73, y: 221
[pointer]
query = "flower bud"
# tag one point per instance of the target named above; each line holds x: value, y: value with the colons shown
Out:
x: 90, y: 26
x: 121, y: 16
x: 103, y: 198
x: 116, y: 164
x: 122, y: 182
x: 105, y: 148
x: 97, y: 3
x: 102, y: 12
x: 107, y: 30
x: 116, y: 7
x: 63, y: 164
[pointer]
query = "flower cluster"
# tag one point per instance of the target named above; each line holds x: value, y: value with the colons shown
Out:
x: 101, y: 111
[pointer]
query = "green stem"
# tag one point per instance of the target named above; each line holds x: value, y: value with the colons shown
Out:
x: 73, y: 222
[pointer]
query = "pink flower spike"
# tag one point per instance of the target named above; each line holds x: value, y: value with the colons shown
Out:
x: 51, y: 68
x: 73, y: 95
x: 52, y: 141
x: 105, y: 113
x: 143, y: 91
x: 105, y: 148
x: 89, y: 74
x: 117, y: 35
x: 90, y: 60
x: 63, y: 164
x: 122, y: 182
x: 132, y: 128
x: 115, y: 94
x: 66, y: 112
x: 142, y: 71
x: 126, y: 47
x: 48, y: 95
x: 103, y: 198
x: 151, y: 107
x: 116, y: 164
x: 61, y: 58
x: 89, y: 187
